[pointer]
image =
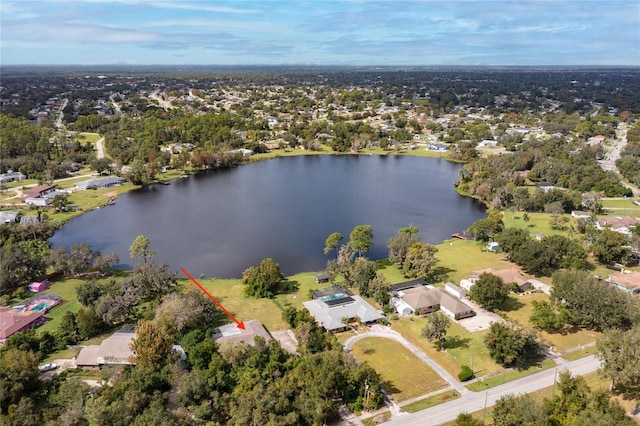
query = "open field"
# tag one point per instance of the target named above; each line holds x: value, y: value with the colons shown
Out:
x: 457, y: 258
x: 510, y: 375
x: 537, y: 223
x: 230, y: 293
x: 462, y: 347
x: 65, y: 288
x: 391, y: 360
x: 88, y: 137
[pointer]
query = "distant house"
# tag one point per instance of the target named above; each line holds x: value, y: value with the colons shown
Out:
x: 395, y: 288
x: 620, y: 224
x: 488, y: 143
x: 11, y: 177
x: 438, y: 146
x: 104, y: 182
x: 242, y: 151
x: 508, y: 275
x: 37, y: 287
x: 331, y: 310
x: 8, y: 217
x: 580, y: 214
x: 627, y: 281
x: 40, y: 195
x: 230, y: 334
x: 595, y: 140
x: 13, y: 320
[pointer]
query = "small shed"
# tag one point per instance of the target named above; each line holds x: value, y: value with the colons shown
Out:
x: 401, y: 307
x: 493, y: 246
x: 37, y: 287
x: 322, y: 278
x: 453, y: 289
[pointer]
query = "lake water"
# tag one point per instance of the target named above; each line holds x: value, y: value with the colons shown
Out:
x: 222, y: 222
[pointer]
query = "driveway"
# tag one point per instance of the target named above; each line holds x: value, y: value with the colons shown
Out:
x: 481, y: 321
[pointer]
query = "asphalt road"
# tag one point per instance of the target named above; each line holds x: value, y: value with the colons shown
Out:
x: 470, y: 402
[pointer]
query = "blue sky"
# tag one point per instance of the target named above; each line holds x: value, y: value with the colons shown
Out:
x: 346, y: 32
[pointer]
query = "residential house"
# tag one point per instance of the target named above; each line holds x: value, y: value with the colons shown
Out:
x: 13, y: 320
x: 11, y: 176
x: 425, y: 300
x: 230, y: 334
x: 627, y: 281
x: 508, y: 275
x: 455, y: 290
x: 8, y: 217
x: 488, y: 143
x: 114, y: 350
x: 621, y: 224
x: 580, y: 214
x: 493, y: 246
x: 40, y: 195
x: 100, y: 183
x: 336, y: 304
x: 596, y: 140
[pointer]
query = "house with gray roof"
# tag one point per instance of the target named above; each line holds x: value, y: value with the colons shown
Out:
x: 329, y: 311
x: 99, y: 183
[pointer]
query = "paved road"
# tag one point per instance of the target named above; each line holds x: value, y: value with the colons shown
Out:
x: 100, y: 147
x: 381, y: 331
x: 161, y: 101
x: 65, y: 101
x: 475, y: 401
x: 609, y: 163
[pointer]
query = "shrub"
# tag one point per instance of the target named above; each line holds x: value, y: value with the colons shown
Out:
x: 465, y: 374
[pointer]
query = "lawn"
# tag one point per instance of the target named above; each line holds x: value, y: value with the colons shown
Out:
x: 390, y: 359
x: 89, y: 137
x: 462, y: 348
x: 537, y: 223
x: 621, y: 206
x: 431, y: 401
x: 457, y: 258
x: 230, y: 293
x: 65, y: 288
x: 510, y: 375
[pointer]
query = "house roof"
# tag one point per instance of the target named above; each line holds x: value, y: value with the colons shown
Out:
x: 231, y: 334
x: 406, y: 284
x: 330, y: 316
x: 113, y: 350
x: 422, y: 297
x: 453, y: 304
x: 627, y: 279
x: 509, y: 275
x: 13, y: 320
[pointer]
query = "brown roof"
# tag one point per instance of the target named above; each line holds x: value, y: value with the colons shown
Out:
x: 628, y: 279
x: 422, y: 297
x: 234, y: 335
x: 36, y: 190
x: 453, y: 304
x: 13, y: 320
x: 509, y: 275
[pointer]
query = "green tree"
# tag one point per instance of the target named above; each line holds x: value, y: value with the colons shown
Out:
x: 619, y: 352
x: 333, y: 242
x: 379, y: 289
x: 435, y: 328
x: 264, y: 280
x: 485, y: 229
x: 512, y: 345
x: 548, y: 316
x: 489, y: 291
x: 399, y: 245
x: 140, y: 248
x: 419, y: 260
x: 361, y: 239
x: 610, y: 247
x: 60, y: 202
x: 519, y: 410
x: 466, y: 419
x: 150, y: 346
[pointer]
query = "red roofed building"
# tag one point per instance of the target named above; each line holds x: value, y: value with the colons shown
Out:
x: 13, y: 320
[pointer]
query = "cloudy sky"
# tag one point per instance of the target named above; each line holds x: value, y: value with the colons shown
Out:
x: 323, y: 32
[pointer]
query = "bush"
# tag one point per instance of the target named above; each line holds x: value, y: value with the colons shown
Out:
x: 465, y: 374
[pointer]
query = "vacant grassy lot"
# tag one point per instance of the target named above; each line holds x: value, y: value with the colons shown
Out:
x: 457, y: 258
x: 89, y: 137
x: 230, y: 293
x: 510, y: 375
x: 537, y: 223
x: 392, y: 360
x: 461, y: 347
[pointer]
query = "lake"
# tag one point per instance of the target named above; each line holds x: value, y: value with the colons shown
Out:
x: 221, y: 222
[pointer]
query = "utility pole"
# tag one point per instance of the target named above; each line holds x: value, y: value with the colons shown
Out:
x: 484, y: 413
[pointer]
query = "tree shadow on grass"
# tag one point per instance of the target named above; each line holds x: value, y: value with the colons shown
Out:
x: 390, y: 388
x: 511, y: 304
x: 442, y: 272
x: 455, y: 342
x: 288, y: 287
x: 383, y: 263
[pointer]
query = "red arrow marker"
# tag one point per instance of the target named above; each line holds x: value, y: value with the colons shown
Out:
x: 239, y: 324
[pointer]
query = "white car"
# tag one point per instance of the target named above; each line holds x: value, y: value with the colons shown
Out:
x: 48, y: 367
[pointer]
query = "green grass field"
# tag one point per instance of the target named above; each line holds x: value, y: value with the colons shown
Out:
x: 65, y: 288
x: 431, y: 401
x: 461, y: 347
x: 391, y: 360
x: 510, y: 375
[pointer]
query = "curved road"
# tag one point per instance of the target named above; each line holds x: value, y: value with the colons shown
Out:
x: 100, y: 147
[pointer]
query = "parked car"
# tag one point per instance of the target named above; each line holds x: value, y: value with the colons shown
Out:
x: 48, y: 367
